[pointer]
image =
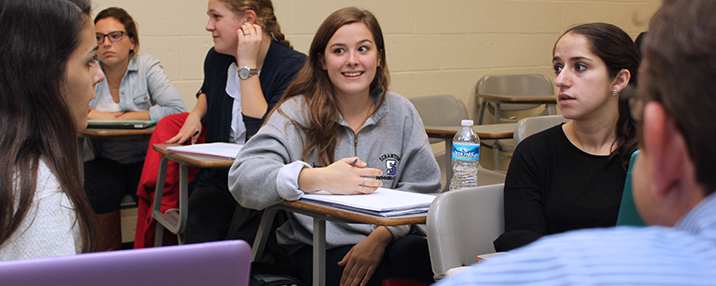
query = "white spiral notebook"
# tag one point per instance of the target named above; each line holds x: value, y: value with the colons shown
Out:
x: 383, y: 202
x: 218, y: 149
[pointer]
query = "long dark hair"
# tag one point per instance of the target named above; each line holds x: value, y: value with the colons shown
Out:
x: 123, y: 17
x: 618, y: 51
x: 313, y: 82
x: 38, y: 38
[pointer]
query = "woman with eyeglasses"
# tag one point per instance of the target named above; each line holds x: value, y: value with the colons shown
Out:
x: 135, y: 87
x: 572, y: 176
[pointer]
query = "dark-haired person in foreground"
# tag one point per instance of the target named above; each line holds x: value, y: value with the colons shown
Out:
x: 674, y: 178
x: 48, y: 71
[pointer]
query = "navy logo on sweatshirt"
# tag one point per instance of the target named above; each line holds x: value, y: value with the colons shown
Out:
x: 391, y: 163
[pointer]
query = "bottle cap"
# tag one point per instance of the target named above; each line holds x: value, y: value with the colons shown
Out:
x: 466, y: 122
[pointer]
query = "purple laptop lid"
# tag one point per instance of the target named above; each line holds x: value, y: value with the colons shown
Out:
x: 213, y: 263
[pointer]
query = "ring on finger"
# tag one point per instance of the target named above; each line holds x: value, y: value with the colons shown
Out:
x: 247, y: 33
x: 363, y: 185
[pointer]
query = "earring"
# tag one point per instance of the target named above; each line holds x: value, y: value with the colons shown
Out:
x: 614, y: 92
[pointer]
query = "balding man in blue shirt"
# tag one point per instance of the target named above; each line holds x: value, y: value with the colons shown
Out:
x: 674, y: 177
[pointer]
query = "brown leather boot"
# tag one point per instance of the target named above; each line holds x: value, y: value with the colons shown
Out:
x: 109, y: 231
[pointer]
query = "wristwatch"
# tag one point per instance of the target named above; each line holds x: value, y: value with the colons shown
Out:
x: 246, y: 72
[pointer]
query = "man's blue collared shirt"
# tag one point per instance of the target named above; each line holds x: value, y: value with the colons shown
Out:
x: 683, y: 255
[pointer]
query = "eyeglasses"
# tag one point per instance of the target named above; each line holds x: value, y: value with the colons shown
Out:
x: 634, y: 102
x: 114, y: 36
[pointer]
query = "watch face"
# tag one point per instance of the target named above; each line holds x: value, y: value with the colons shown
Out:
x: 244, y: 73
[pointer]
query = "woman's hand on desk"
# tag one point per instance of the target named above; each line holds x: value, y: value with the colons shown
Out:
x: 347, y: 176
x: 190, y: 130
x: 133, y: 115
x: 361, y: 262
x: 96, y: 114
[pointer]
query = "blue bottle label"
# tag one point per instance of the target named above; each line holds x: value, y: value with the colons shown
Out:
x: 467, y: 152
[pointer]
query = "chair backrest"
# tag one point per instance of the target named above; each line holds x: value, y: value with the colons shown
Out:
x: 213, y: 263
x: 440, y: 110
x: 628, y: 214
x: 531, y: 125
x: 462, y: 224
x: 515, y: 84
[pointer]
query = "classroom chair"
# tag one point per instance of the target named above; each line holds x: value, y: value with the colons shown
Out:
x: 462, y: 224
x: 213, y: 263
x: 531, y: 125
x: 516, y: 85
x: 448, y: 110
x: 628, y: 214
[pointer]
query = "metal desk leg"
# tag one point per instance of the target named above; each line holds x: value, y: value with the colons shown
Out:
x: 448, y: 164
x: 262, y: 234
x: 482, y: 112
x: 183, y: 201
x: 158, y: 193
x: 171, y: 220
x: 319, y: 252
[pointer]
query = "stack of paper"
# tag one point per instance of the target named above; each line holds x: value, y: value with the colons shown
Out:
x: 383, y: 202
x: 218, y: 149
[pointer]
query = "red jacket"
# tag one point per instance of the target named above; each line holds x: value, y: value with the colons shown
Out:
x: 166, y: 128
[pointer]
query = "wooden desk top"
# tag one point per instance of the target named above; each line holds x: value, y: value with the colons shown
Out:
x: 488, y: 131
x: 193, y: 160
x: 518, y: 98
x: 97, y: 132
x: 351, y: 216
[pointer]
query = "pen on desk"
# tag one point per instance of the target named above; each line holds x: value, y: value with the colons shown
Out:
x: 354, y: 163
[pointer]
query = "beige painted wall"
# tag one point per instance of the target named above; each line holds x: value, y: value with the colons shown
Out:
x: 433, y: 46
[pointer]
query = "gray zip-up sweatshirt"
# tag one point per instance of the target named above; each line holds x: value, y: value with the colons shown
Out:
x: 393, y: 140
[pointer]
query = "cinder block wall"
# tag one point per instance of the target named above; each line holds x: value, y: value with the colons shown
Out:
x: 433, y: 46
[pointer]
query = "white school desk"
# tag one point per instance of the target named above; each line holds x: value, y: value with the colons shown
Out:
x: 100, y: 133
x: 127, y: 232
x: 321, y: 212
x: 175, y: 220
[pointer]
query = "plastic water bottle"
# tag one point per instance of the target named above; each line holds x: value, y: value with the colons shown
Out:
x: 465, y: 157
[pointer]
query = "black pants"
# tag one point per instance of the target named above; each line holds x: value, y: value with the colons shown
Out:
x: 107, y: 182
x: 405, y: 258
x: 215, y: 215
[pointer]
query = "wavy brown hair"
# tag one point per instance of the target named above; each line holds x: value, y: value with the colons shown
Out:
x: 265, y: 16
x: 618, y: 51
x: 38, y: 38
x: 127, y: 21
x: 313, y: 82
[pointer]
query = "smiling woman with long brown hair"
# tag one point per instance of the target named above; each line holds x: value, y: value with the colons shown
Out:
x: 339, y: 129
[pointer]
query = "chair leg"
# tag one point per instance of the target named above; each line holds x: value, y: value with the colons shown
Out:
x: 482, y: 112
x: 496, y: 154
